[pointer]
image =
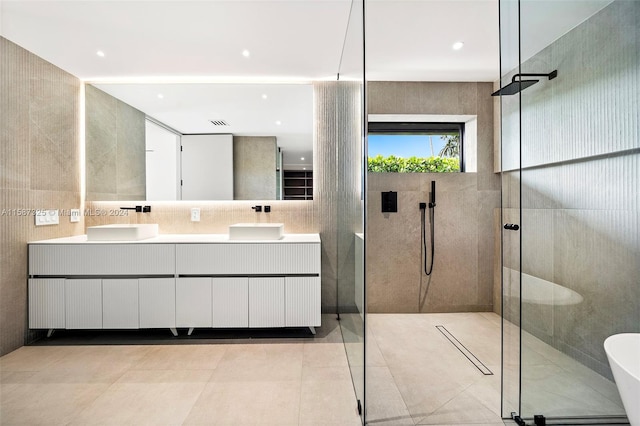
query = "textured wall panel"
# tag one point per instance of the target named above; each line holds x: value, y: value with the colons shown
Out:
x: 266, y: 302
x: 338, y: 185
x: 193, y: 302
x: 120, y: 303
x: 302, y: 302
x: 83, y: 303
x: 39, y: 169
x: 46, y: 303
x: 248, y: 258
x: 215, y: 216
x: 157, y: 298
x: 230, y: 302
x: 101, y: 259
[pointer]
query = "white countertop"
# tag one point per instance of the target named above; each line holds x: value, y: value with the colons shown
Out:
x: 186, y: 239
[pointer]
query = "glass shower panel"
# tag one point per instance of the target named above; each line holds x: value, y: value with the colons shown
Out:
x: 350, y: 110
x: 579, y: 179
x: 510, y: 167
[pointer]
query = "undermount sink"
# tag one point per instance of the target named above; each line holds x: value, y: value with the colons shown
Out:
x: 122, y: 232
x: 256, y: 231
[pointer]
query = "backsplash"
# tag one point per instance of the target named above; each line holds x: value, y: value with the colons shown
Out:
x: 174, y: 217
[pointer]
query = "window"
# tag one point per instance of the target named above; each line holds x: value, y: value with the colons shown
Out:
x: 415, y: 147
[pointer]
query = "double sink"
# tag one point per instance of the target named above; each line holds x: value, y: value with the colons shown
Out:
x: 143, y: 231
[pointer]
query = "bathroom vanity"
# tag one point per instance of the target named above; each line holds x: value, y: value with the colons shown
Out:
x: 175, y: 281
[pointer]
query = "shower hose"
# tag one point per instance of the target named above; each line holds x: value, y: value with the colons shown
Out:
x: 428, y: 270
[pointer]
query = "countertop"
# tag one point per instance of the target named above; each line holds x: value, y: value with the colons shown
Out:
x: 187, y: 239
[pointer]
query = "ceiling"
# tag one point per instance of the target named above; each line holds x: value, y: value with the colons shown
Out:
x: 288, y: 41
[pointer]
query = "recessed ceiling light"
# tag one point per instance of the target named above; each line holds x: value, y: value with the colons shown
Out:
x: 246, y: 53
x: 304, y: 168
x: 160, y: 96
x: 302, y: 158
x: 264, y: 96
x: 457, y: 45
x: 100, y: 53
x: 278, y: 122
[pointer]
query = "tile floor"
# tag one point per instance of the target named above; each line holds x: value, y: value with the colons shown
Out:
x: 415, y: 376
x: 295, y: 381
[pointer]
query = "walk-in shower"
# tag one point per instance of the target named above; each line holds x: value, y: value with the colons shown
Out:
x: 570, y: 273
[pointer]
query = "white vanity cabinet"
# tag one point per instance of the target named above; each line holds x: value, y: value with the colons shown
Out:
x: 230, y: 302
x: 83, y: 303
x: 266, y: 302
x: 175, y: 281
x: 157, y: 302
x: 193, y: 302
x: 120, y: 303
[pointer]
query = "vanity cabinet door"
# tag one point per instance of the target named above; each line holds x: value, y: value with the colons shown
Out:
x: 46, y: 303
x: 157, y: 301
x: 302, y: 301
x: 83, y: 303
x: 120, y: 303
x: 193, y: 302
x: 266, y: 302
x: 230, y: 302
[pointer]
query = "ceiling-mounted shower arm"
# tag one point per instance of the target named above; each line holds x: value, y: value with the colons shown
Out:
x: 553, y: 74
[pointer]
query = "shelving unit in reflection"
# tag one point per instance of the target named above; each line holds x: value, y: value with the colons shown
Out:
x: 298, y: 185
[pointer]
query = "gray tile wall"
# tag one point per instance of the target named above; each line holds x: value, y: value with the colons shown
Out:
x: 40, y: 169
x: 115, y: 148
x: 254, y: 167
x: 466, y: 212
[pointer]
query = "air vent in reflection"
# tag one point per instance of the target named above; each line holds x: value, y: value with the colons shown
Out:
x: 219, y: 123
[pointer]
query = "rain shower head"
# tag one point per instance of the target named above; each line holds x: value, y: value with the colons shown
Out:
x: 517, y: 86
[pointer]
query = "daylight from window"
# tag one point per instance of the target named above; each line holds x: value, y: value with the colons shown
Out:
x: 414, y: 153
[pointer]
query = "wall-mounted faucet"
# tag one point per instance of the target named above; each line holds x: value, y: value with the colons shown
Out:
x: 138, y: 209
x: 258, y: 209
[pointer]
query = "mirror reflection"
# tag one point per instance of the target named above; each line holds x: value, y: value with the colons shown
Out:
x: 194, y: 141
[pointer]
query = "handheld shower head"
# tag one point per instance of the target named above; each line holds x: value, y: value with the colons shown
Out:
x: 432, y: 195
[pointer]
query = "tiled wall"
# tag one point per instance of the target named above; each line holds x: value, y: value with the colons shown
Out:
x: 115, y: 148
x: 40, y: 169
x: 215, y: 216
x: 467, y: 203
x: 580, y: 222
x: 337, y: 186
x: 254, y: 167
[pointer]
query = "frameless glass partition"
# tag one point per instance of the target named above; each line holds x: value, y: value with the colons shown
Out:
x: 350, y: 185
x: 579, y: 198
x: 510, y: 217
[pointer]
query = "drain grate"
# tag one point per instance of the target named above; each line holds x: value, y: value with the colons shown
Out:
x: 466, y: 352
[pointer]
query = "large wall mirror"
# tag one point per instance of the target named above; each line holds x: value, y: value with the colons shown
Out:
x: 193, y: 141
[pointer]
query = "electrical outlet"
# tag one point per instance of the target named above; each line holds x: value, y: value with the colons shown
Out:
x: 195, y: 214
x: 75, y: 215
x: 47, y: 217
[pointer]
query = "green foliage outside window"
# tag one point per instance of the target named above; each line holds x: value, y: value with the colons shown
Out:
x: 413, y: 164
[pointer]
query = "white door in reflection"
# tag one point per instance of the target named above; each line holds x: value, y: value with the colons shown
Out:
x: 207, y: 167
x: 162, y: 177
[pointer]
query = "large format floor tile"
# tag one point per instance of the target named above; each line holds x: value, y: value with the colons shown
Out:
x: 438, y: 385
x: 271, y: 381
